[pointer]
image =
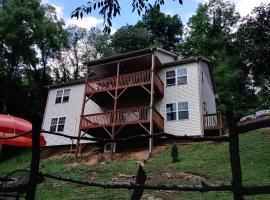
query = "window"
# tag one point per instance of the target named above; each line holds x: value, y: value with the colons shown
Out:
x: 62, y: 96
x: 183, y: 110
x: 170, y: 78
x: 171, y: 111
x: 181, y: 76
x: 57, y: 124
x: 53, y: 124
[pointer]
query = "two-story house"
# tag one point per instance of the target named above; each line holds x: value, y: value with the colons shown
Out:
x: 145, y: 91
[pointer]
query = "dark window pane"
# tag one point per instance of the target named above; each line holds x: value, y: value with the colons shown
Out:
x: 183, y: 115
x: 60, y: 127
x: 53, y: 128
x: 181, y: 80
x: 170, y: 74
x: 54, y: 121
x: 58, y: 100
x: 171, y: 107
x: 171, y: 116
x: 65, y: 99
x: 62, y: 120
x: 170, y: 81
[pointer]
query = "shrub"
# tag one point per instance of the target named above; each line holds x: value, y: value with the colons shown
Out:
x: 174, y: 153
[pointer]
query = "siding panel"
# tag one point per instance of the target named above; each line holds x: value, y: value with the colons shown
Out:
x: 71, y: 110
x: 188, y: 92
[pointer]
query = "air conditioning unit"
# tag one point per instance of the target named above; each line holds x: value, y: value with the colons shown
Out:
x: 108, y: 147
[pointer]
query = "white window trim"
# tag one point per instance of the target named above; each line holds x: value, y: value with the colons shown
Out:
x: 57, y: 123
x: 183, y: 110
x: 171, y: 112
x: 177, y: 112
x: 62, y: 96
x: 176, y: 76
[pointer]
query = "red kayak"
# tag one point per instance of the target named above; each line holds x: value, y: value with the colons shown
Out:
x: 11, y: 126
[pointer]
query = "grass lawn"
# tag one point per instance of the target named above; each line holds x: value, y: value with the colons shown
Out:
x: 199, y: 161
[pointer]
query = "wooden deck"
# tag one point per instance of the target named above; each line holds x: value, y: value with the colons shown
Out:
x: 141, y: 78
x: 212, y: 122
x: 138, y: 116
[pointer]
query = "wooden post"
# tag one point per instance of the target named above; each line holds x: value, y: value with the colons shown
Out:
x: 140, y: 179
x: 78, y: 145
x: 235, y: 157
x: 151, y: 104
x: 34, y: 169
x: 115, y: 107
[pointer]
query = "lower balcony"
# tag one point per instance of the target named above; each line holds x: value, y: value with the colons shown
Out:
x: 213, y: 124
x: 120, y: 118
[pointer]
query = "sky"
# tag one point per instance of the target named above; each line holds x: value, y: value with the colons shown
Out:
x: 64, y: 9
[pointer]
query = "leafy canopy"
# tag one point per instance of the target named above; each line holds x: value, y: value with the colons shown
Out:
x: 109, y: 9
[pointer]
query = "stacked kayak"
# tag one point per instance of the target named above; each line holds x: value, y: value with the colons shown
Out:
x: 12, y: 126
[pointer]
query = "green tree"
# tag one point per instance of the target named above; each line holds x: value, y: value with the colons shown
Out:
x: 130, y: 38
x: 252, y: 43
x: 26, y: 30
x: 211, y: 35
x: 110, y: 9
x: 165, y: 30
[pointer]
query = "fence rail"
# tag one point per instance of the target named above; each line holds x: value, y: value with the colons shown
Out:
x: 236, y: 186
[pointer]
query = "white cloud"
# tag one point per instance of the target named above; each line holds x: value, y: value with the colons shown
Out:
x: 59, y: 11
x: 202, y: 1
x: 113, y: 30
x: 86, y: 22
x: 244, y: 7
x: 169, y: 12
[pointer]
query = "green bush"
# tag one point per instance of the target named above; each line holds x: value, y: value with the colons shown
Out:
x: 174, y: 153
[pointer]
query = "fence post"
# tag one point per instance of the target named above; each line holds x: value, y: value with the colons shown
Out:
x: 235, y: 157
x: 34, y: 169
x: 140, y: 179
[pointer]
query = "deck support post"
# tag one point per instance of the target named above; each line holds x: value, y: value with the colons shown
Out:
x: 78, y: 145
x: 151, y: 104
x: 114, y: 109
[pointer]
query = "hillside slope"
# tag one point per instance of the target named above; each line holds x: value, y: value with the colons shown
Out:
x: 208, y: 162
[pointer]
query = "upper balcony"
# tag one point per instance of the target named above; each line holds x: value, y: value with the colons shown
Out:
x: 141, y: 78
x: 131, y: 116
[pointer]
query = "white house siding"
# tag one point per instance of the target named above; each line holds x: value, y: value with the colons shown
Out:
x: 187, y: 92
x: 71, y: 110
x: 208, y: 96
x: 164, y: 58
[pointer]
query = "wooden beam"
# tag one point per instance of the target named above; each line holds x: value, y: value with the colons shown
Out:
x: 144, y: 128
x: 140, y: 180
x: 34, y: 168
x: 77, y: 153
x: 115, y: 107
x: 151, y: 103
x: 146, y: 89
x: 234, y: 157
x: 110, y: 94
x: 121, y: 92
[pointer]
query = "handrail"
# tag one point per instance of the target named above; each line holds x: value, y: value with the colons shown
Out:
x: 121, y: 117
x: 124, y: 80
x: 212, y: 120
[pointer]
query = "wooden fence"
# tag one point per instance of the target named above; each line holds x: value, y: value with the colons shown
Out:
x: 236, y: 187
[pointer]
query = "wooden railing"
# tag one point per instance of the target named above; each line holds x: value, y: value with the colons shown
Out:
x: 213, y: 121
x: 125, y: 80
x: 122, y: 117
